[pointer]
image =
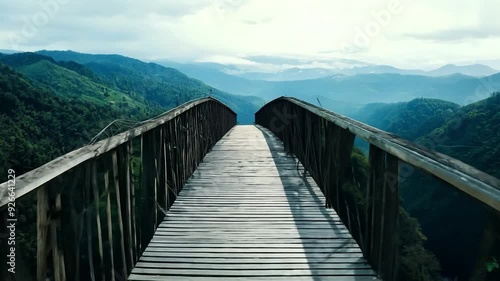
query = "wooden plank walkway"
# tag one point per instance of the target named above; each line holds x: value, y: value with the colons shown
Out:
x: 248, y: 213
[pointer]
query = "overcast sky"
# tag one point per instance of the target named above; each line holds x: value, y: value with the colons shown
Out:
x: 403, y: 33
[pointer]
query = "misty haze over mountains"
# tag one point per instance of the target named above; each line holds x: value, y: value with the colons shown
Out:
x: 273, y: 68
x: 345, y: 90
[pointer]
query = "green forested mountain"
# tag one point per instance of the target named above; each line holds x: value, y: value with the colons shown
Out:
x: 471, y: 135
x: 409, y: 120
x: 38, y: 125
x: 56, y: 106
x: 74, y: 81
x: 164, y: 86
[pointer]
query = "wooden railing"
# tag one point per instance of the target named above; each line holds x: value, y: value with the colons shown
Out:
x: 98, y: 207
x: 323, y: 141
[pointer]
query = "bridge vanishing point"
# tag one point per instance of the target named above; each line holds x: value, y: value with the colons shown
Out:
x: 190, y: 195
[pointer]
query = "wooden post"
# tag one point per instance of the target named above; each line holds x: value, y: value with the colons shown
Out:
x: 382, y: 213
x: 148, y: 188
x: 73, y: 224
x: 332, y: 135
x: 132, y: 203
x: 125, y: 179
x: 162, y: 192
x: 116, y: 181
x: 96, y: 193
x: 87, y: 213
x: 109, y: 224
x: 343, y: 167
x: 168, y: 165
x: 42, y: 223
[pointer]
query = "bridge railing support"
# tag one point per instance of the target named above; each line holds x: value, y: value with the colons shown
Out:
x: 98, y: 207
x: 323, y: 142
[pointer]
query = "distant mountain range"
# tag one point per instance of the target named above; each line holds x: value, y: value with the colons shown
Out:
x: 296, y: 73
x: 346, y: 93
x: 275, y: 68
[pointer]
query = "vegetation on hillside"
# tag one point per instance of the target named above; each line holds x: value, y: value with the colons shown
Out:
x: 164, y: 86
x: 37, y: 125
x: 408, y: 120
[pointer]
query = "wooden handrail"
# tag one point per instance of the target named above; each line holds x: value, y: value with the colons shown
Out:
x: 31, y: 180
x: 464, y: 177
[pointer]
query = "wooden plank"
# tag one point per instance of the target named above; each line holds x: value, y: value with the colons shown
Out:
x: 256, y: 272
x: 263, y: 251
x: 228, y: 222
x: 302, y: 245
x: 262, y: 266
x: 267, y: 219
x: 260, y: 261
x: 327, y: 255
x: 137, y: 277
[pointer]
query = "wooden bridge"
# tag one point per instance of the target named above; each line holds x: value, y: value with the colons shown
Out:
x: 191, y: 195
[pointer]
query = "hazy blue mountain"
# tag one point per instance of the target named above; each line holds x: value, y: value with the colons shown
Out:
x: 215, y: 78
x: 472, y: 70
x: 381, y: 69
x: 298, y: 73
x: 371, y: 88
x: 347, y: 93
x: 8, y: 52
x: 280, y: 60
x: 450, y: 69
x: 290, y: 74
x: 264, y: 68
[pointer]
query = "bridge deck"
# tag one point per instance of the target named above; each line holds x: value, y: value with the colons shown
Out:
x: 248, y: 213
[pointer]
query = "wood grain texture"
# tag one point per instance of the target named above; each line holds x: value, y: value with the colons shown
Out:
x: 249, y: 213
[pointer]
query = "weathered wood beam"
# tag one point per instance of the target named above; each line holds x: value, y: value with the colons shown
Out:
x: 464, y: 177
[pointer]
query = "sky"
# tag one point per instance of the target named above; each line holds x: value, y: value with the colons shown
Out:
x: 421, y: 34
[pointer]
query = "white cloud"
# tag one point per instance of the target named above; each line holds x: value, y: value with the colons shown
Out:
x: 417, y: 33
